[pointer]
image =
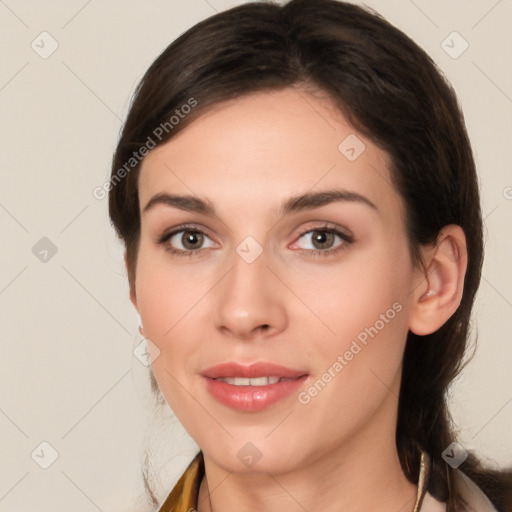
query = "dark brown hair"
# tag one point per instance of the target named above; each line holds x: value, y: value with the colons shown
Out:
x: 391, y: 91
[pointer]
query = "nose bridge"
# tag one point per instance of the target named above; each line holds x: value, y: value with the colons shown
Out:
x: 250, y: 268
x: 248, y: 297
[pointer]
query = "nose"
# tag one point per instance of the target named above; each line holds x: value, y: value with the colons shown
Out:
x: 249, y: 301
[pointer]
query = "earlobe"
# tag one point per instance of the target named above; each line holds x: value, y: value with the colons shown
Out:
x: 439, y: 292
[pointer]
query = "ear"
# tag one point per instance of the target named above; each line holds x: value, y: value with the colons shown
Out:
x: 438, y: 290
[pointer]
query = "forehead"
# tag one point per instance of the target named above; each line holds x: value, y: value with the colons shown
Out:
x: 266, y: 146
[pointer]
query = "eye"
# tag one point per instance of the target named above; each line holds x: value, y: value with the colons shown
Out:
x: 186, y: 241
x: 323, y: 241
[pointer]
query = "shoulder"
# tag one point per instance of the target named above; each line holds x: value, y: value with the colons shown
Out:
x: 475, y: 498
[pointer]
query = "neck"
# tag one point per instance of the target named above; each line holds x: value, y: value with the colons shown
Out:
x: 363, y: 475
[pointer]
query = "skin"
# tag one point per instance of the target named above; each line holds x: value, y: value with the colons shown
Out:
x: 247, y: 157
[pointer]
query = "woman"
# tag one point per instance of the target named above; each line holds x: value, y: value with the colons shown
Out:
x: 298, y: 200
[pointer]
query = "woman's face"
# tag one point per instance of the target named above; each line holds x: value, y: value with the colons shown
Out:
x: 268, y: 270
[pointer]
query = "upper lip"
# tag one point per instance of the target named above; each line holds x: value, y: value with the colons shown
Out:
x: 260, y: 369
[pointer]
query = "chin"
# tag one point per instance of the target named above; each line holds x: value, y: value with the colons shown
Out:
x: 247, y: 457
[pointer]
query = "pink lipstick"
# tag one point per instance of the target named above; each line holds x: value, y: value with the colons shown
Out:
x: 252, y: 387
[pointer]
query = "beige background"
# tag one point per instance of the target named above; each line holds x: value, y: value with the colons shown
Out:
x: 68, y: 376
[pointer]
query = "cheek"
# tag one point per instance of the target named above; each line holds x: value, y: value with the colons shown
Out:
x: 363, y: 309
x: 354, y: 295
x: 165, y: 301
x: 357, y: 365
x: 166, y: 294
x: 163, y: 306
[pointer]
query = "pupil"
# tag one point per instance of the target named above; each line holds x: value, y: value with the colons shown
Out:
x: 322, y: 237
x: 191, y: 239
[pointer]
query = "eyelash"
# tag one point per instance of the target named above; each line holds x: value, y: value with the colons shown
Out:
x: 347, y: 240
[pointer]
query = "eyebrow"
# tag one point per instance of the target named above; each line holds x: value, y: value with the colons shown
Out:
x: 307, y: 201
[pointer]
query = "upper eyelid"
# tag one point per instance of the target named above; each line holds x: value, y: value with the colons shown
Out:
x: 345, y: 237
x: 326, y: 226
x: 186, y: 227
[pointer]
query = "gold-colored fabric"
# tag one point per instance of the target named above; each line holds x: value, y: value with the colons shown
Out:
x: 183, y: 497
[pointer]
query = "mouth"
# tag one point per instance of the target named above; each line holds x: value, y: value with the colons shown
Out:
x: 256, y: 381
x: 254, y: 387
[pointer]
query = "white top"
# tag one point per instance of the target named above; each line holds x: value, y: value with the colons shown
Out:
x: 477, y: 500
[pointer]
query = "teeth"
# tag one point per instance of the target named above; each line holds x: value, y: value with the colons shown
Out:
x: 244, y: 381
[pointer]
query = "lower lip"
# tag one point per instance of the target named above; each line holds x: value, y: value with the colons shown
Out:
x: 252, y: 398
